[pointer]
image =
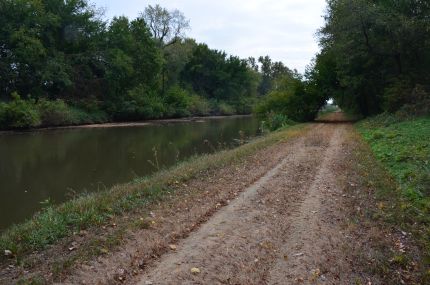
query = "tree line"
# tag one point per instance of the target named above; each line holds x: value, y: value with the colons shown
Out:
x: 62, y: 63
x: 375, y: 57
x: 375, y: 54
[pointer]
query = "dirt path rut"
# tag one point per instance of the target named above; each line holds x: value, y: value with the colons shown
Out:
x: 280, y: 230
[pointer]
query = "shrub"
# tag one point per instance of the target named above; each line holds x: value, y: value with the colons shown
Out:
x: 19, y: 113
x: 244, y: 105
x: 199, y: 106
x: 294, y: 99
x: 275, y: 121
x: 58, y: 113
x: 225, y: 109
x: 53, y: 113
x: 274, y: 102
x: 78, y: 116
x: 396, y: 95
x: 419, y: 104
x: 140, y: 103
x: 407, y: 100
x: 90, y: 105
x: 177, y: 102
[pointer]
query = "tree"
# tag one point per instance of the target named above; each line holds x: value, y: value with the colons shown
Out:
x: 133, y: 65
x: 294, y: 97
x: 167, y: 27
x: 176, y: 57
x: 252, y: 63
x: 218, y: 77
x: 266, y: 75
x: 271, y: 72
x: 57, y: 54
x: 381, y: 48
x: 48, y: 48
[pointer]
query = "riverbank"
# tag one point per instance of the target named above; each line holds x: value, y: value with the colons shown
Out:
x: 125, y: 124
x: 97, y: 212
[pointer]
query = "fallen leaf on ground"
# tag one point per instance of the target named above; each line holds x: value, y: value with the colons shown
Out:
x: 195, y: 270
x: 315, y: 274
x: 104, y: 251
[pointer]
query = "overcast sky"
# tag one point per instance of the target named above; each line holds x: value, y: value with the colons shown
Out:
x: 283, y: 29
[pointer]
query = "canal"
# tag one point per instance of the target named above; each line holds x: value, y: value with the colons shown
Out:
x: 64, y: 163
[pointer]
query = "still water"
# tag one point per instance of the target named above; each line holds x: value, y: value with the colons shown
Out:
x: 59, y: 164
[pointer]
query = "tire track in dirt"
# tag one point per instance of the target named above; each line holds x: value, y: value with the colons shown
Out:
x: 270, y: 234
x: 308, y: 234
x: 182, y: 213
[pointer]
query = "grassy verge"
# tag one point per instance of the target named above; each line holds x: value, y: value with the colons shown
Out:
x: 402, y: 148
x: 57, y: 222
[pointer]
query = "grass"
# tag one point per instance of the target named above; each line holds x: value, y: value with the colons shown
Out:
x: 327, y: 109
x: 402, y: 147
x: 54, y: 223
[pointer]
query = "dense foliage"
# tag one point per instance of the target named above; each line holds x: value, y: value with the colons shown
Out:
x: 61, y: 63
x: 374, y: 58
x: 61, y: 57
x: 375, y: 54
x: 221, y: 78
x: 290, y: 94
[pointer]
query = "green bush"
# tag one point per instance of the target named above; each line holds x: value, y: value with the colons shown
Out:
x: 274, y: 102
x: 58, y: 113
x: 396, y: 95
x: 275, y: 121
x: 407, y: 100
x: 78, y: 116
x: 199, y: 106
x: 140, y: 103
x: 177, y: 102
x: 225, y: 109
x: 53, y: 113
x: 19, y: 114
x: 88, y: 111
x: 90, y: 105
x: 244, y: 105
x: 293, y: 98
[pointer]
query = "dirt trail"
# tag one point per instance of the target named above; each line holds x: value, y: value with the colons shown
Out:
x: 280, y: 230
x: 276, y: 218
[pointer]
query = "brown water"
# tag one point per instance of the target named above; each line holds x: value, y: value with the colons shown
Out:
x: 63, y: 163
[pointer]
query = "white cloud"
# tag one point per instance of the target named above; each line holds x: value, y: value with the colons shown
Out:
x: 283, y: 29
